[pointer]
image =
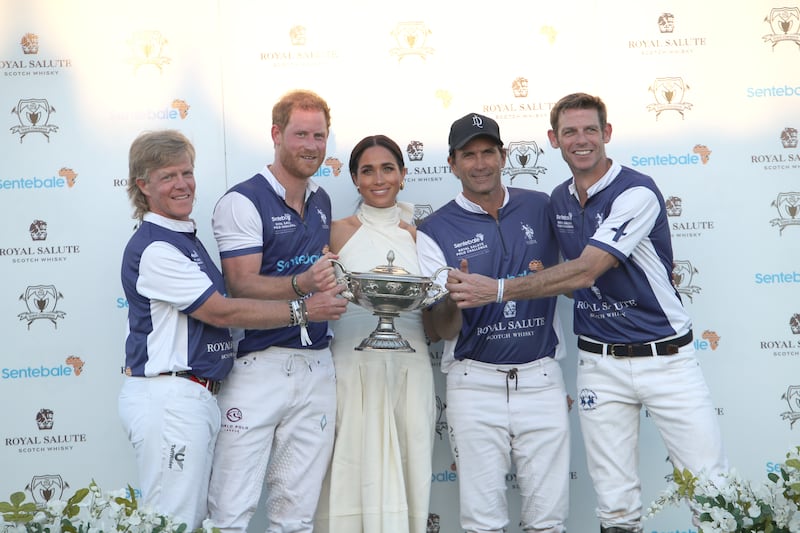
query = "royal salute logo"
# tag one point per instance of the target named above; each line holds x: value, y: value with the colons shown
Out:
x: 44, y: 440
x: 787, y: 159
x: 417, y: 172
x: 789, y: 137
x: 421, y: 212
x: 684, y: 228
x: 40, y: 252
x: 300, y: 51
x: 666, y: 23
x: 667, y: 40
x: 46, y: 488
x: 520, y: 87
x: 415, y: 151
x: 674, y: 206
x: 682, y: 278
x: 34, y: 117
x: 411, y: 39
x: 148, y: 49
x: 520, y: 105
x: 41, y: 301
x: 30, y: 44
x: 787, y: 346
x: 788, y: 206
x: 44, y: 419
x: 297, y: 35
x: 785, y: 25
x: 522, y: 158
x: 669, y: 94
x: 38, y: 230
x: 29, y: 65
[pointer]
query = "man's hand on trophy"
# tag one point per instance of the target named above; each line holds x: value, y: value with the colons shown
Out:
x: 320, y: 277
x: 326, y: 305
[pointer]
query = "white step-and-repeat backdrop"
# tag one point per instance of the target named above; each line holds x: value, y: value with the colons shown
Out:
x: 703, y: 96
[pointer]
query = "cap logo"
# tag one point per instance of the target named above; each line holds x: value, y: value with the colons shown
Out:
x: 477, y: 121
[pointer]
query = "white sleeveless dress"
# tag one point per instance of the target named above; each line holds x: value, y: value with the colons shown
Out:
x: 380, y: 474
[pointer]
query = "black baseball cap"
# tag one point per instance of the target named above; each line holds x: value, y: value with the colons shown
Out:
x: 470, y: 126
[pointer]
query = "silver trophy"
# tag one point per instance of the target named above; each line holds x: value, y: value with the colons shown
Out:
x: 388, y: 290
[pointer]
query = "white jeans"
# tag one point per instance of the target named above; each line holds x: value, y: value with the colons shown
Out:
x: 611, y: 394
x: 497, y: 416
x: 278, y: 420
x: 173, y: 424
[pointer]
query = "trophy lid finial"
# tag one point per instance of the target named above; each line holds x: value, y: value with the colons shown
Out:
x: 390, y: 268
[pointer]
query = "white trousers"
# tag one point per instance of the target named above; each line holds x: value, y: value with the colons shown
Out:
x: 278, y: 420
x: 173, y: 424
x: 612, y: 392
x: 499, y: 414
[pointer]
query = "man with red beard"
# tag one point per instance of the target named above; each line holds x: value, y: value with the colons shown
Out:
x: 279, y: 401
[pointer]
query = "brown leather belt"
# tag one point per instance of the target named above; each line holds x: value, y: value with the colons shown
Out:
x: 668, y: 347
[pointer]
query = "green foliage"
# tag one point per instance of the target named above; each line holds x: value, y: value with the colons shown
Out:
x: 725, y: 503
x: 88, y: 509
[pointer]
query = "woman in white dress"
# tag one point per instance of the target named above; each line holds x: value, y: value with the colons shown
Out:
x: 380, y: 474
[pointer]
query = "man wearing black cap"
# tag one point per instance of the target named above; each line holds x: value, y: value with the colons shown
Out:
x: 635, y: 345
x: 506, y: 399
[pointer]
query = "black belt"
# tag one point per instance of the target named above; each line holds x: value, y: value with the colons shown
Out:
x: 669, y: 347
x: 212, y: 386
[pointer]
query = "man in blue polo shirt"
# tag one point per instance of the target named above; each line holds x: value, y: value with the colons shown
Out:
x: 178, y: 347
x: 279, y: 402
x: 506, y: 399
x: 635, y: 337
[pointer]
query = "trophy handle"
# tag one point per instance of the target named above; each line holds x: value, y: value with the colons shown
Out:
x: 436, y: 292
x: 344, y: 280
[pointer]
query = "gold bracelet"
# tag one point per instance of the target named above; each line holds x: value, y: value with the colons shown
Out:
x: 297, y: 289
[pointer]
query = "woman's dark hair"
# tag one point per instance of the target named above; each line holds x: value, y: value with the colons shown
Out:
x: 369, y: 142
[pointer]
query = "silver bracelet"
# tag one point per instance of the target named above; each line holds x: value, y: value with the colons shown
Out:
x: 500, y: 287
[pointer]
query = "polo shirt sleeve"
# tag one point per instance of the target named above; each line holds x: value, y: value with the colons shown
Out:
x: 237, y: 226
x: 165, y: 274
x: 633, y: 216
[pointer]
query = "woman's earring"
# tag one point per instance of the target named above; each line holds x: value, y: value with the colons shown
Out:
x: 402, y: 185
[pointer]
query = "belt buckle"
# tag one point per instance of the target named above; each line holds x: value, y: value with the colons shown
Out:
x: 612, y: 350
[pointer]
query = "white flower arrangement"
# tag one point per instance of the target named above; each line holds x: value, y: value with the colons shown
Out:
x: 89, y: 510
x: 732, y: 505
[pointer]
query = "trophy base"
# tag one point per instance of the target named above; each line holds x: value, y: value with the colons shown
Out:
x: 385, y: 338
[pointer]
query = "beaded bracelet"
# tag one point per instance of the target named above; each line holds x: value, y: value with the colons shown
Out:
x: 299, y: 313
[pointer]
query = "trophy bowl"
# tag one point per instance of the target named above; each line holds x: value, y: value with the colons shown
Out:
x: 387, y: 291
